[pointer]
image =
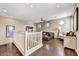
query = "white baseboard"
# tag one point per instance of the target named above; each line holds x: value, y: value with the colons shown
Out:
x: 77, y: 51
x: 33, y: 49
x: 19, y: 47
x: 3, y: 43
x: 6, y: 41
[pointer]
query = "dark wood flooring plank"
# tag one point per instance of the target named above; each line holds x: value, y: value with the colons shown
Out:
x: 9, y: 50
x: 54, y: 47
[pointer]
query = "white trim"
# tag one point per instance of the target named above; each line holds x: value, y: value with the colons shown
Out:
x: 19, y: 47
x: 33, y: 49
x: 77, y: 51
x: 3, y: 43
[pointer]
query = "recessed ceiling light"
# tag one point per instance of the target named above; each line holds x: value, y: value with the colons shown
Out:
x: 31, y: 6
x: 4, y: 10
x: 58, y: 6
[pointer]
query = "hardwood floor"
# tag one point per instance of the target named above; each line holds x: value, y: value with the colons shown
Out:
x: 54, y: 47
x: 9, y: 50
x: 70, y: 52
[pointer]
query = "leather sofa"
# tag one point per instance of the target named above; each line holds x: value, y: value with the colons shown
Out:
x: 47, y: 36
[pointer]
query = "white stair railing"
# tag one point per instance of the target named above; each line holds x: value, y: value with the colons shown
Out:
x: 28, y: 42
x: 19, y: 41
x: 34, y: 41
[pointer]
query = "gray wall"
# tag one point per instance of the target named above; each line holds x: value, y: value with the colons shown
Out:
x: 67, y: 26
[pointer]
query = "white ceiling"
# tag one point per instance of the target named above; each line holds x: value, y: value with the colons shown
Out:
x: 47, y: 11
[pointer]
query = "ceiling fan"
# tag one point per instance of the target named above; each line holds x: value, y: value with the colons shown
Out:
x: 47, y: 24
x: 42, y: 20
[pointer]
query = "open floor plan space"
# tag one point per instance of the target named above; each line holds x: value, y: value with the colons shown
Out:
x: 53, y: 47
x: 39, y: 29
